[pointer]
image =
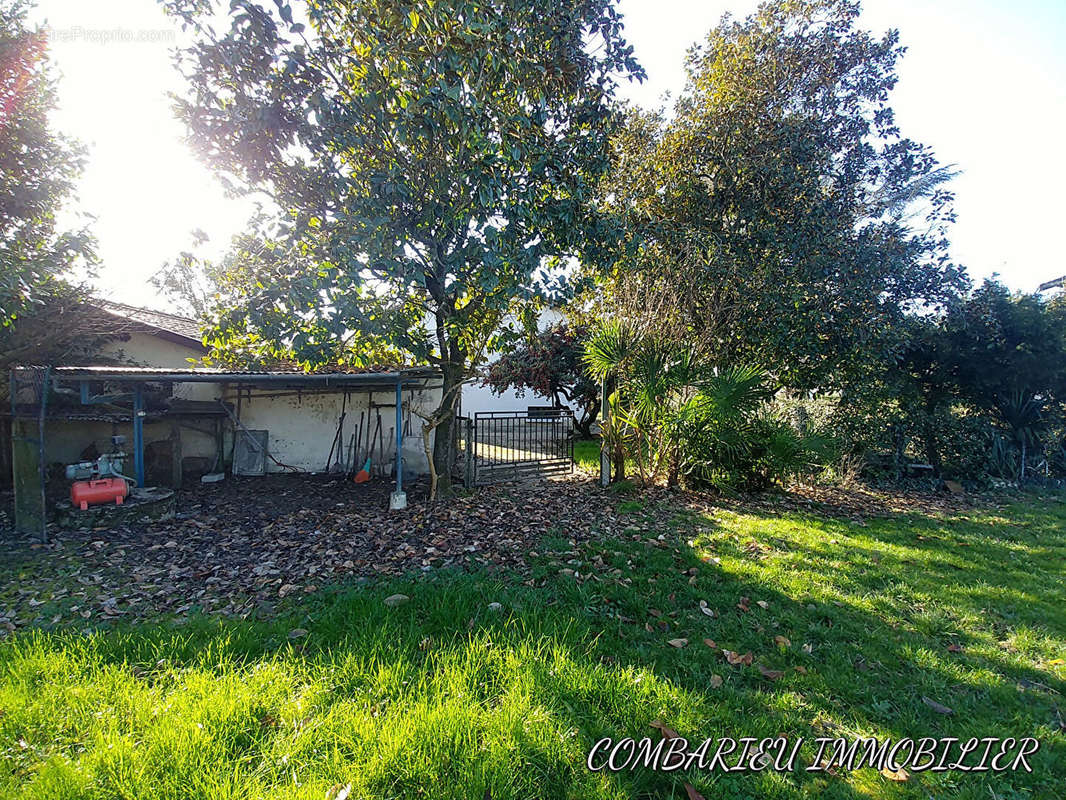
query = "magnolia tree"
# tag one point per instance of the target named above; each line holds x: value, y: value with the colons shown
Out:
x: 432, y: 163
x: 779, y: 216
x: 39, y: 168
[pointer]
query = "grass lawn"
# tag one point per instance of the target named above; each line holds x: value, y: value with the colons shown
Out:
x: 587, y: 455
x: 443, y: 697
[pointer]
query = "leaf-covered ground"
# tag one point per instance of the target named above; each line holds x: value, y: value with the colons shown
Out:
x: 239, y: 547
x: 744, y: 620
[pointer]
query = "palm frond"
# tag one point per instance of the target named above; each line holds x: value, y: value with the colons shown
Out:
x: 608, y: 348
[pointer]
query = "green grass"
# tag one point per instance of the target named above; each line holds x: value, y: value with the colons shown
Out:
x: 587, y: 455
x: 444, y: 698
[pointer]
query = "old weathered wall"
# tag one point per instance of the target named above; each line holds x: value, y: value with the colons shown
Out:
x: 145, y: 350
x: 302, y: 426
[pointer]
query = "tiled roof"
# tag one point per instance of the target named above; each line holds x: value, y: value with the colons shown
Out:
x: 171, y: 323
x: 1058, y: 283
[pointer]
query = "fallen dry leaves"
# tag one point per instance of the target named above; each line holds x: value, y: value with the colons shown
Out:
x: 738, y: 660
x: 939, y: 708
x: 770, y: 674
x: 667, y: 732
x: 240, y: 546
x: 244, y: 544
x: 854, y: 504
x: 670, y: 733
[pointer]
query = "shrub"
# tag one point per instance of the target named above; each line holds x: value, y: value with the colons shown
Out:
x: 674, y: 417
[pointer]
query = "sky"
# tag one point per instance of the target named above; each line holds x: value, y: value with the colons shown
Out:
x: 983, y: 82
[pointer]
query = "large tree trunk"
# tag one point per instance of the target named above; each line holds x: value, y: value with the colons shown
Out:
x: 586, y: 421
x: 443, y: 450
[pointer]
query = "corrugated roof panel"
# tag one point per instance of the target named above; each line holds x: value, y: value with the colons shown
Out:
x: 354, y: 378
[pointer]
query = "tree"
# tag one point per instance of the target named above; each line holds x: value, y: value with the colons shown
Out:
x: 190, y: 282
x: 549, y: 364
x: 995, y: 358
x: 433, y: 165
x: 38, y: 172
x: 922, y: 381
x: 1008, y: 357
x: 771, y: 218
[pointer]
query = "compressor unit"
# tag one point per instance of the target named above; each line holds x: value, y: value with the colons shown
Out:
x: 101, y: 480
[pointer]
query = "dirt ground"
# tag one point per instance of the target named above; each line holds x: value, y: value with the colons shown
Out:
x: 239, y: 546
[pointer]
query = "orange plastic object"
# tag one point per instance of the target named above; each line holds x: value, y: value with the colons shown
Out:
x: 363, y: 475
x: 86, y: 493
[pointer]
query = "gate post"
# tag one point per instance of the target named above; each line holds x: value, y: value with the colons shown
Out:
x: 468, y: 462
x: 605, y: 413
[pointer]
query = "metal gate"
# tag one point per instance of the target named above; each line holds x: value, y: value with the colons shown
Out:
x: 516, y: 445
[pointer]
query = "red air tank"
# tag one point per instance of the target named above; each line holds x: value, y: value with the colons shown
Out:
x: 86, y: 493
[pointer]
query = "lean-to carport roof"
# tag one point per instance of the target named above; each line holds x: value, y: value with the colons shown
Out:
x: 337, y: 380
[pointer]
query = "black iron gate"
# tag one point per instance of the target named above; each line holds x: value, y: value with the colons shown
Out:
x: 516, y: 445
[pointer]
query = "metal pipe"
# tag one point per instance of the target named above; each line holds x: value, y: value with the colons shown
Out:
x: 138, y: 434
x: 399, y: 436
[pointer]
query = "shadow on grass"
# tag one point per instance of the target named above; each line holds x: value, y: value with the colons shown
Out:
x: 443, y: 697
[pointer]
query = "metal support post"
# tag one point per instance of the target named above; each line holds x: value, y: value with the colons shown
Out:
x: 398, y: 501
x: 138, y: 434
x: 605, y: 457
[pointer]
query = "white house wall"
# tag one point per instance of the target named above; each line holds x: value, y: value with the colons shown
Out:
x: 301, y: 426
x: 481, y: 398
x: 477, y: 397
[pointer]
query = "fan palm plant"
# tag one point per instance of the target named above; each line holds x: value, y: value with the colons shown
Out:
x: 673, y: 416
x: 1023, y: 413
x: 651, y: 382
